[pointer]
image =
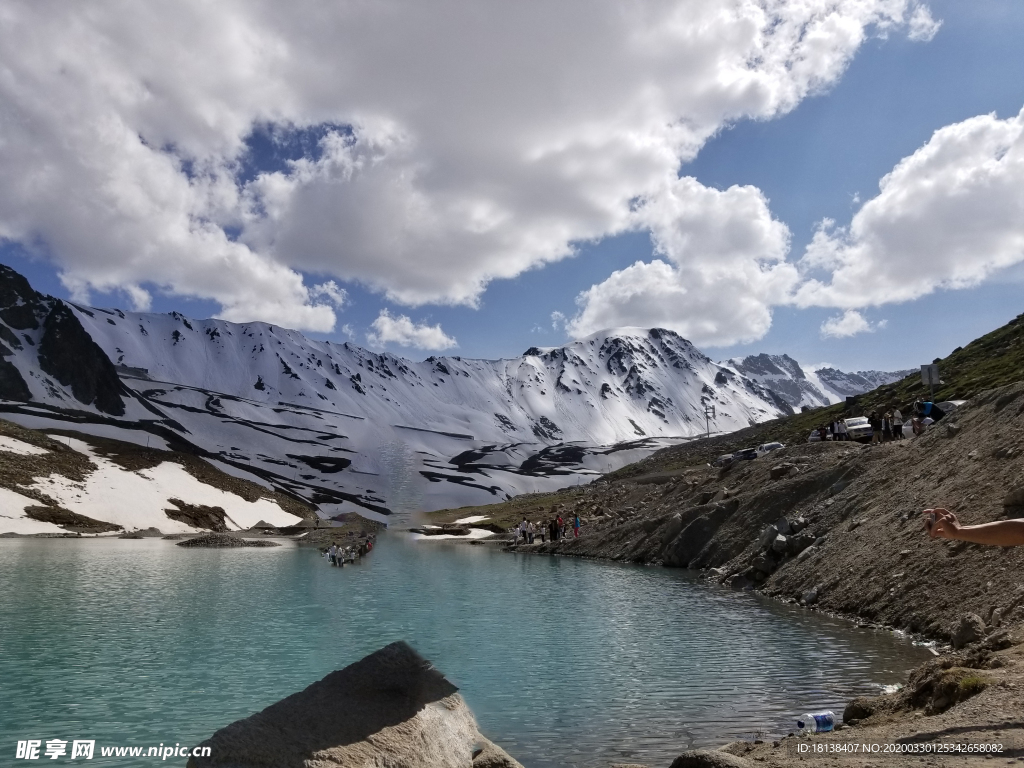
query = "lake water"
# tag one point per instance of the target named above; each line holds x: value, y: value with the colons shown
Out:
x: 565, y: 662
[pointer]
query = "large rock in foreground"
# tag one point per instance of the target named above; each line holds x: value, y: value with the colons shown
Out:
x: 392, y: 709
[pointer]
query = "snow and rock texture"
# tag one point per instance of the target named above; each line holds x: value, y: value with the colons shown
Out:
x: 803, y: 388
x: 351, y: 430
x: 72, y: 487
x: 46, y: 354
x: 842, y: 385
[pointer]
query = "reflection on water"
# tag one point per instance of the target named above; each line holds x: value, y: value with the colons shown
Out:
x: 565, y: 662
x: 402, y: 493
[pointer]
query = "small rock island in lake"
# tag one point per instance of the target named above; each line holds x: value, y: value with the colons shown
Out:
x: 391, y: 708
x: 224, y: 540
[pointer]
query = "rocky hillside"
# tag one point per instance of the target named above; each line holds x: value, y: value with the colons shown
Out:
x: 832, y: 525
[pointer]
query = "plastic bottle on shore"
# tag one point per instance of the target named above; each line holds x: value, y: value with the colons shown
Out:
x: 816, y: 722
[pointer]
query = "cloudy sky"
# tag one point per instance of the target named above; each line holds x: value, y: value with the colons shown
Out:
x: 842, y: 180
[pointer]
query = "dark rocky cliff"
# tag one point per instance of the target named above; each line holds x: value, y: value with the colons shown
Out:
x: 65, y: 350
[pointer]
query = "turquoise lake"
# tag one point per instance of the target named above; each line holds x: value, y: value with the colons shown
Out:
x: 565, y: 662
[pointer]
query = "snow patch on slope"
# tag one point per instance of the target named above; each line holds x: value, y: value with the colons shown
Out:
x: 135, y: 500
x: 12, y: 515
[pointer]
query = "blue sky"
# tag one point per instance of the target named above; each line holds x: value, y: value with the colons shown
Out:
x: 819, y: 155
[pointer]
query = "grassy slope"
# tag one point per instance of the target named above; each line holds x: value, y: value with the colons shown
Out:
x: 995, y: 359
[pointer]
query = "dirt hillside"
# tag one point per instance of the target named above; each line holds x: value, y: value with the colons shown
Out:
x: 838, y: 527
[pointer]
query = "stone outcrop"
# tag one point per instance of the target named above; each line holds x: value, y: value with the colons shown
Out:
x: 392, y: 709
x: 218, y: 540
x: 709, y: 758
x: 68, y: 353
x: 64, y: 350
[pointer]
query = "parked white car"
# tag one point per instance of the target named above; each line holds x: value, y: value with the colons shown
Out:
x: 766, y: 448
x: 858, y: 428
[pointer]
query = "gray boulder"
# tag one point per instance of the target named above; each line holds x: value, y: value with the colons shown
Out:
x: 391, y: 708
x: 695, y: 536
x: 762, y: 564
x: 800, y: 542
x: 810, y: 597
x: 970, y: 630
x: 672, y: 529
x: 781, y: 470
x: 1013, y: 502
x: 783, y: 526
x: 767, y: 536
x: 490, y: 755
x: 781, y: 544
x: 709, y: 758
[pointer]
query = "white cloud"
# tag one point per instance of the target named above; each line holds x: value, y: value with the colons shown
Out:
x: 726, y: 268
x: 850, y: 323
x: 948, y: 216
x: 482, y: 144
x: 330, y: 291
x: 921, y: 25
x: 403, y: 331
x: 558, y: 320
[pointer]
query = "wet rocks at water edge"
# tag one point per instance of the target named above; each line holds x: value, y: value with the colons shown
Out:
x: 448, y: 529
x: 970, y: 629
x: 392, y: 708
x: 709, y: 758
x: 221, y: 540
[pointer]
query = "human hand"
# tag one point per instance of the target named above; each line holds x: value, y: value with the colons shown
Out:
x: 944, y: 526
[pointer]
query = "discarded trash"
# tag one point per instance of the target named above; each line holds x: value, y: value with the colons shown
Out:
x: 816, y: 722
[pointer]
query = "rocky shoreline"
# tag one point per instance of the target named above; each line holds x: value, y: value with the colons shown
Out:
x: 836, y: 527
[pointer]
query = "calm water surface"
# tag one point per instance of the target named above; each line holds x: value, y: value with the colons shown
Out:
x: 565, y: 662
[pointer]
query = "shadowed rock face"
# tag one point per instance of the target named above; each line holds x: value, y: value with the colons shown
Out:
x: 66, y: 351
x: 12, y: 385
x: 391, y: 708
x: 69, y: 354
x: 20, y: 306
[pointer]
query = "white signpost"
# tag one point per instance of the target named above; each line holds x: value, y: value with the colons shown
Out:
x: 930, y: 378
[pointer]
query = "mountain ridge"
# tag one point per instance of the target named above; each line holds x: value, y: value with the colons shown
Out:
x: 338, y: 425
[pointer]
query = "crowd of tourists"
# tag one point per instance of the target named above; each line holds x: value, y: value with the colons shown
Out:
x: 528, y: 532
x: 339, y: 555
x: 886, y: 425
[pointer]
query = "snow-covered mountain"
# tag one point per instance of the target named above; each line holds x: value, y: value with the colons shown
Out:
x: 352, y: 430
x: 339, y: 425
x: 800, y: 387
x: 842, y: 385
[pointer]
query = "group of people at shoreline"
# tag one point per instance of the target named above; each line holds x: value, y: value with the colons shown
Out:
x: 338, y: 555
x: 886, y: 426
x: 554, y: 529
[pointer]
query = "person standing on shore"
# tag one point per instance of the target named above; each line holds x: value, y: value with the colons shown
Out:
x: 561, y: 526
x: 576, y: 526
x: 530, y: 530
x: 844, y: 434
x: 897, y: 424
x: 942, y: 524
x: 876, y: 427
